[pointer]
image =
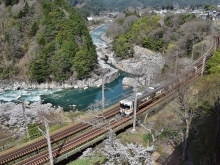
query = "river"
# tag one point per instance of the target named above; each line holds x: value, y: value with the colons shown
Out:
x: 79, y: 98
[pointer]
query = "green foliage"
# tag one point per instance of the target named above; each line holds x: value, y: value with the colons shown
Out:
x: 213, y: 64
x: 123, y: 47
x: 147, y: 138
x: 23, y: 12
x: 39, y: 69
x: 121, y: 21
x: 83, y: 67
x: 209, y: 7
x: 34, y: 28
x: 123, y: 44
x: 57, y: 126
x: 189, y: 47
x: 19, y: 53
x: 6, y: 37
x: 8, y: 71
x: 165, y: 67
x: 187, y: 17
x: 155, y: 45
x: 10, y: 2
x: 66, y: 44
x: 150, y: 33
x: 5, y: 73
x: 60, y: 67
x: 168, y: 20
x: 33, y: 130
x: 40, y: 39
x: 90, y: 161
x: 182, y: 18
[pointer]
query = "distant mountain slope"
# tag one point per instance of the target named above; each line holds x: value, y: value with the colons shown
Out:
x: 43, y: 40
x: 94, y: 6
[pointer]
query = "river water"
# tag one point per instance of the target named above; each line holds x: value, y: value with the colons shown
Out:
x: 80, y: 98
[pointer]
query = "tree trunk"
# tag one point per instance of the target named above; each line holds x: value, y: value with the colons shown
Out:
x: 185, y: 140
x: 217, y: 129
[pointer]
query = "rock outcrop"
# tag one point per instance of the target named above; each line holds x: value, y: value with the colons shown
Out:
x: 144, y: 63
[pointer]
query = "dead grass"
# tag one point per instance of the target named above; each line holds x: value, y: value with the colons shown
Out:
x: 129, y: 137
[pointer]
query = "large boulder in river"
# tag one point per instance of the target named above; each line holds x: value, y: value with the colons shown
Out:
x: 110, y: 73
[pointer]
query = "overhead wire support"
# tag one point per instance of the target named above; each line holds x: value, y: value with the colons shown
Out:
x: 103, y: 92
x: 103, y: 88
x: 47, y: 135
x: 203, y: 62
x: 25, y: 121
x: 203, y: 65
x: 135, y: 109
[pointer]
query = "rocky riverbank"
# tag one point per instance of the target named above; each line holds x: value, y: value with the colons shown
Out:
x: 11, y: 114
x: 139, y: 64
x: 94, y: 81
x: 144, y: 64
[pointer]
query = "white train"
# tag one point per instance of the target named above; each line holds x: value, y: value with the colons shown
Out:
x: 127, y: 104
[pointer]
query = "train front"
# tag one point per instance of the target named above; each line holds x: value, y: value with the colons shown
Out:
x: 126, y: 107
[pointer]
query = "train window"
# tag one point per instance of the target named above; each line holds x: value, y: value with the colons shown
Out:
x: 145, y: 99
x: 124, y: 106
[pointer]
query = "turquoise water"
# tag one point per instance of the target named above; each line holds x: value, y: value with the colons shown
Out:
x: 91, y: 97
x: 66, y: 98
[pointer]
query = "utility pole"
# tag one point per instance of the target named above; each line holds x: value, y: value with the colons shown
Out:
x: 25, y: 121
x: 195, y: 70
x: 203, y: 65
x: 47, y: 135
x: 135, y: 108
x: 150, y: 77
x: 176, y: 62
x: 103, y: 92
x: 192, y: 52
x: 103, y: 88
x: 203, y: 62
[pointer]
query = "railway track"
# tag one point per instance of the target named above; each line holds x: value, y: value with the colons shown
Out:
x: 95, y: 132
x: 13, y: 154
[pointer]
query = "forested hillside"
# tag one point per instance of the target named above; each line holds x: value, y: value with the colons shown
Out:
x: 95, y: 6
x: 44, y: 40
x: 175, y: 34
